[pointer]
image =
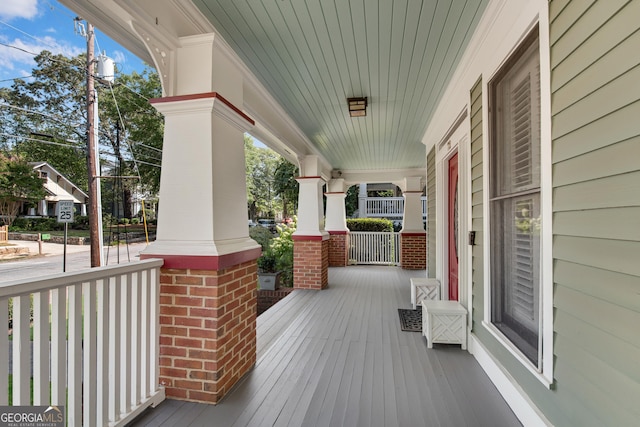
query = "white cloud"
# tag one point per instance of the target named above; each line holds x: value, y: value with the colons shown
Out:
x: 50, y: 30
x: 10, y: 9
x: 21, y: 54
x: 118, y: 57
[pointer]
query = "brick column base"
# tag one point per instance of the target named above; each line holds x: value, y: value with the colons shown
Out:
x: 338, y: 248
x: 207, y: 330
x: 310, y: 262
x: 413, y: 251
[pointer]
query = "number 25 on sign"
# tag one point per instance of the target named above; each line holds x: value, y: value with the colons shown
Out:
x: 65, y: 211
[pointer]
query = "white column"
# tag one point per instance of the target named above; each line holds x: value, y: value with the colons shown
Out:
x: 310, y: 209
x: 310, y: 215
x: 362, y: 201
x: 412, y: 215
x: 203, y: 206
x: 336, y: 216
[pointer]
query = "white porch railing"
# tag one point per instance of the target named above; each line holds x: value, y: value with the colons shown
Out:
x: 95, y: 342
x: 389, y: 207
x: 368, y: 247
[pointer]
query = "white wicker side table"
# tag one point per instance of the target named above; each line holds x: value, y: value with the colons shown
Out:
x: 424, y: 288
x: 444, y: 322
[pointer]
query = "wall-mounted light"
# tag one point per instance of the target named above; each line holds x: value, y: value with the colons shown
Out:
x: 357, y: 106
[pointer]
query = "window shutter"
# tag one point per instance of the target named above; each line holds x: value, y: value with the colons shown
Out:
x: 515, y: 201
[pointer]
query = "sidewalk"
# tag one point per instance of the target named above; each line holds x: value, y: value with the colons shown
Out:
x: 48, y: 248
x: 51, y: 249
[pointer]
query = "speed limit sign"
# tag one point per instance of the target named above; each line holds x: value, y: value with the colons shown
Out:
x: 65, y: 211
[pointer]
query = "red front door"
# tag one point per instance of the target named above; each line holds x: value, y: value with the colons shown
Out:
x: 453, y: 228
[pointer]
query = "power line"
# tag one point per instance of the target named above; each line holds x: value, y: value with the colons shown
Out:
x: 51, y: 116
x: 38, y: 39
x: 42, y: 141
x: 16, y: 78
x: 68, y: 62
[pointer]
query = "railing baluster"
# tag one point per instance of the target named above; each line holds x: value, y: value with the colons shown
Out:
x: 114, y: 348
x: 41, y: 348
x: 4, y: 351
x: 125, y: 349
x: 374, y: 247
x: 154, y: 328
x: 74, y: 355
x: 145, y: 338
x: 58, y: 347
x: 135, y: 338
x: 21, y: 350
x: 102, y: 346
x: 90, y: 384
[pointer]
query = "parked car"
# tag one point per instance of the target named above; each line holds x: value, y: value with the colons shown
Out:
x: 252, y: 223
x: 269, y: 224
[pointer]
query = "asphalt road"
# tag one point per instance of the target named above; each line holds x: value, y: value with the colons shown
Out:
x: 78, y: 258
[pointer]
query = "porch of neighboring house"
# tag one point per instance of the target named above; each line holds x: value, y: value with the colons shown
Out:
x: 339, y: 358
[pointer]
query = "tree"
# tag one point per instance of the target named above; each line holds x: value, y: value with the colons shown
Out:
x: 351, y: 200
x: 19, y: 184
x: 261, y: 163
x: 54, y: 103
x: 134, y: 131
x: 286, y: 186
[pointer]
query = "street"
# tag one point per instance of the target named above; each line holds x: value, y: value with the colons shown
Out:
x: 52, y: 259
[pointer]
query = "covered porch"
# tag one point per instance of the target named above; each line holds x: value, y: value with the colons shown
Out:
x: 339, y: 358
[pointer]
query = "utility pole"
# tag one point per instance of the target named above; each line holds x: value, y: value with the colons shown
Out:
x: 94, y: 193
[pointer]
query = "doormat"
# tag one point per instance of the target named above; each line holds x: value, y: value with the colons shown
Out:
x: 410, y: 320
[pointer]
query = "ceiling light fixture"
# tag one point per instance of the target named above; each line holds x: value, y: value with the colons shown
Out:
x: 357, y: 106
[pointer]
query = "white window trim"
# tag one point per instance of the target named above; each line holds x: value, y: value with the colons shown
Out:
x: 545, y: 374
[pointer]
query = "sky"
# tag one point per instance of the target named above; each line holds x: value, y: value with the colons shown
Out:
x: 37, y: 25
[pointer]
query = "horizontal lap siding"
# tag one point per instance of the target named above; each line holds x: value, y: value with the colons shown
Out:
x: 431, y: 212
x: 596, y: 204
x: 477, y: 203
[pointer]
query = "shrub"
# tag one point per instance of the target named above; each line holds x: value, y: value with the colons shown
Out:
x: 369, y: 224
x: 135, y: 221
x: 262, y: 236
x: 282, y: 247
x: 36, y: 224
x: 80, y: 222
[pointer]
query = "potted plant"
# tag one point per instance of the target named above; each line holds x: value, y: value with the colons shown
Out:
x: 268, y: 275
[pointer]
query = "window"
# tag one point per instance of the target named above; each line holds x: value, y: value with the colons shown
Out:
x: 515, y: 200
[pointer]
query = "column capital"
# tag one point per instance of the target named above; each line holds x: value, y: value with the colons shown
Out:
x: 213, y: 101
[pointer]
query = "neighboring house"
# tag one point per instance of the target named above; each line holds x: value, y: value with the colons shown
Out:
x: 58, y: 187
x: 388, y: 207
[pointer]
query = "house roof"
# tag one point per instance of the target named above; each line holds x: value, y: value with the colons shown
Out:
x: 40, y: 165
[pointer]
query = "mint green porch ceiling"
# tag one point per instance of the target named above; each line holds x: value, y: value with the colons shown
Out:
x: 314, y: 54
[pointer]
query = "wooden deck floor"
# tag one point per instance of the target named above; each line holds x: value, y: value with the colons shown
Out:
x: 338, y: 358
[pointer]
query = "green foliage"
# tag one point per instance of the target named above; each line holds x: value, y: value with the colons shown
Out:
x: 260, y: 164
x: 369, y: 224
x: 286, y: 186
x: 267, y: 263
x: 80, y: 222
x: 351, y: 200
x: 36, y: 224
x: 54, y: 103
x: 282, y: 247
x: 19, y: 184
x: 278, y: 255
x: 261, y: 235
x: 51, y: 103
